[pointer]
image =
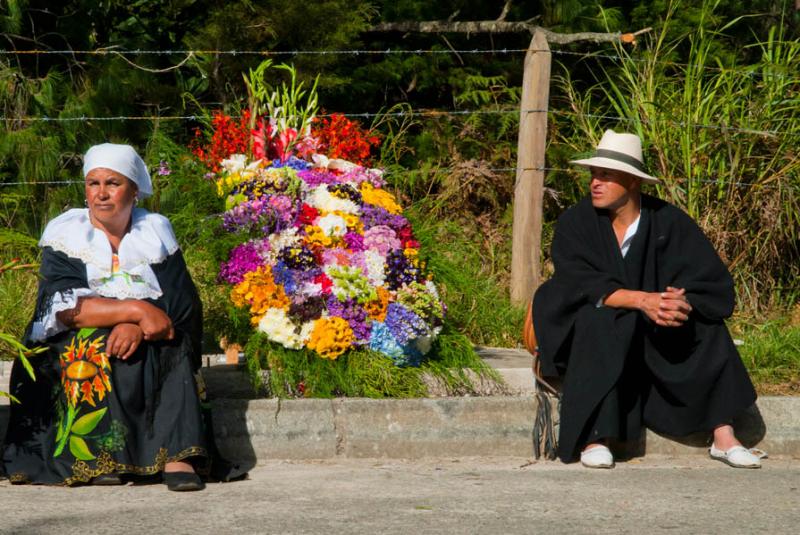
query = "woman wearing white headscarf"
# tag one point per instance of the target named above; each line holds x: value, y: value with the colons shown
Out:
x: 115, y: 394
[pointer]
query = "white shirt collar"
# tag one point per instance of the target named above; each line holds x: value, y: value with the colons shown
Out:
x: 149, y: 241
x: 629, y: 234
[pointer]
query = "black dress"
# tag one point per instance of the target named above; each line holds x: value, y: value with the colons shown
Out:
x: 88, y: 414
x: 621, y: 371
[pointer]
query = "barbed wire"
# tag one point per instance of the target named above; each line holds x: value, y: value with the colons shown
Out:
x: 333, y: 52
x: 365, y: 115
x: 421, y: 113
x: 367, y: 52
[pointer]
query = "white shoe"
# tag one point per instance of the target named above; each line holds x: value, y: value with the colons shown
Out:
x: 597, y: 457
x: 737, y: 456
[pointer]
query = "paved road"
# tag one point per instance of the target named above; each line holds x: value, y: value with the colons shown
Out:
x: 501, y: 495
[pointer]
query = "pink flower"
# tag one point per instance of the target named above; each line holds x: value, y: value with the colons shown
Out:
x: 382, y: 239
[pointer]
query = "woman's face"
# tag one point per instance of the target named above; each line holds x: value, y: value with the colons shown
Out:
x: 110, y: 197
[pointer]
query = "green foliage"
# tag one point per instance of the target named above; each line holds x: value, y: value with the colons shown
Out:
x: 17, y: 299
x: 289, y: 105
x: 469, y: 263
x: 722, y: 140
x: 366, y: 373
x: 771, y: 353
x: 744, y: 76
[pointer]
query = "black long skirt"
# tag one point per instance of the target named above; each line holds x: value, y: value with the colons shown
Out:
x: 87, y: 414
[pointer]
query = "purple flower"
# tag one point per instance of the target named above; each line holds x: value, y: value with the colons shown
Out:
x: 243, y: 259
x: 314, y: 178
x: 400, y: 271
x: 300, y: 258
x: 293, y: 162
x: 354, y: 314
x: 404, y: 324
x: 354, y: 241
x: 163, y: 168
x: 248, y: 216
x: 382, y: 239
x: 363, y: 174
x: 373, y: 216
x: 307, y: 309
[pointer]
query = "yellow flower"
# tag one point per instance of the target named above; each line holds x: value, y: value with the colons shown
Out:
x: 379, y: 197
x: 316, y: 237
x: 331, y: 337
x: 259, y: 291
x: 353, y: 221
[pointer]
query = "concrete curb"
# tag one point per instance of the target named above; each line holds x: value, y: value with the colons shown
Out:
x: 444, y: 427
x: 264, y: 429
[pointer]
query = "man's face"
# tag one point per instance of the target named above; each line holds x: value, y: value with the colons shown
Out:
x: 611, y: 188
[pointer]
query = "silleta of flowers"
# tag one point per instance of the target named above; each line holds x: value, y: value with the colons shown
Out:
x: 327, y: 260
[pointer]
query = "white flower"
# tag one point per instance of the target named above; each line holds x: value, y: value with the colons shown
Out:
x: 320, y: 160
x: 375, y: 267
x: 332, y: 225
x: 279, y: 328
x: 322, y: 200
x: 431, y: 287
x: 287, y: 238
x: 336, y: 164
x: 235, y: 164
x: 310, y: 289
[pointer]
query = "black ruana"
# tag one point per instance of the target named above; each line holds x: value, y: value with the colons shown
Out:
x: 621, y: 371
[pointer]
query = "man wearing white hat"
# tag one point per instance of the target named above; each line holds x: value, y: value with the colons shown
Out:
x: 633, y: 319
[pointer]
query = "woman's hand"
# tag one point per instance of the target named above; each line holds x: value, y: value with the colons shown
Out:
x: 123, y: 340
x: 154, y: 322
x: 669, y: 308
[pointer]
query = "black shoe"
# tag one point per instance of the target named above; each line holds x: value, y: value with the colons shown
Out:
x: 183, y: 481
x: 106, y: 480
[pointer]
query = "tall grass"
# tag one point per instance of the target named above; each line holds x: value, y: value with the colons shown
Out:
x: 722, y: 138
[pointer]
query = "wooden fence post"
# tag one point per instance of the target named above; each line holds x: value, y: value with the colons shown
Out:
x: 529, y: 187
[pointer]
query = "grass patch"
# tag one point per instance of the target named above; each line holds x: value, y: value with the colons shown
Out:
x: 452, y: 363
x: 771, y: 353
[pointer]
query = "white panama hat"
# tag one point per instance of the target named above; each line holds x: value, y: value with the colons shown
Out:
x: 622, y: 152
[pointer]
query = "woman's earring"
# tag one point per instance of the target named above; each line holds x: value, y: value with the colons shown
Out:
x: 86, y: 203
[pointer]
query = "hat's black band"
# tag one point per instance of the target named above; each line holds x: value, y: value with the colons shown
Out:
x: 620, y: 157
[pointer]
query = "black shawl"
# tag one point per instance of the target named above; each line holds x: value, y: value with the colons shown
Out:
x: 695, y: 378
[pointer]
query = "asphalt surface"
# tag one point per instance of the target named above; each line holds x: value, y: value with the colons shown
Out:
x: 473, y: 495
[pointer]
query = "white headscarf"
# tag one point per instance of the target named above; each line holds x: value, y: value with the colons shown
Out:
x: 124, y: 160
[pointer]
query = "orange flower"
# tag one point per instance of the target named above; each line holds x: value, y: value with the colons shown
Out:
x: 376, y: 309
x: 259, y: 291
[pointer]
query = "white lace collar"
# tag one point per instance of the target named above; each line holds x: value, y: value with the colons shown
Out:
x: 149, y: 241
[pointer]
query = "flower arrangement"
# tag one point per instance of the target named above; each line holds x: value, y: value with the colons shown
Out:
x: 326, y: 261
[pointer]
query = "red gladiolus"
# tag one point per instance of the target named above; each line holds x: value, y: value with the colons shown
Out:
x: 269, y: 144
